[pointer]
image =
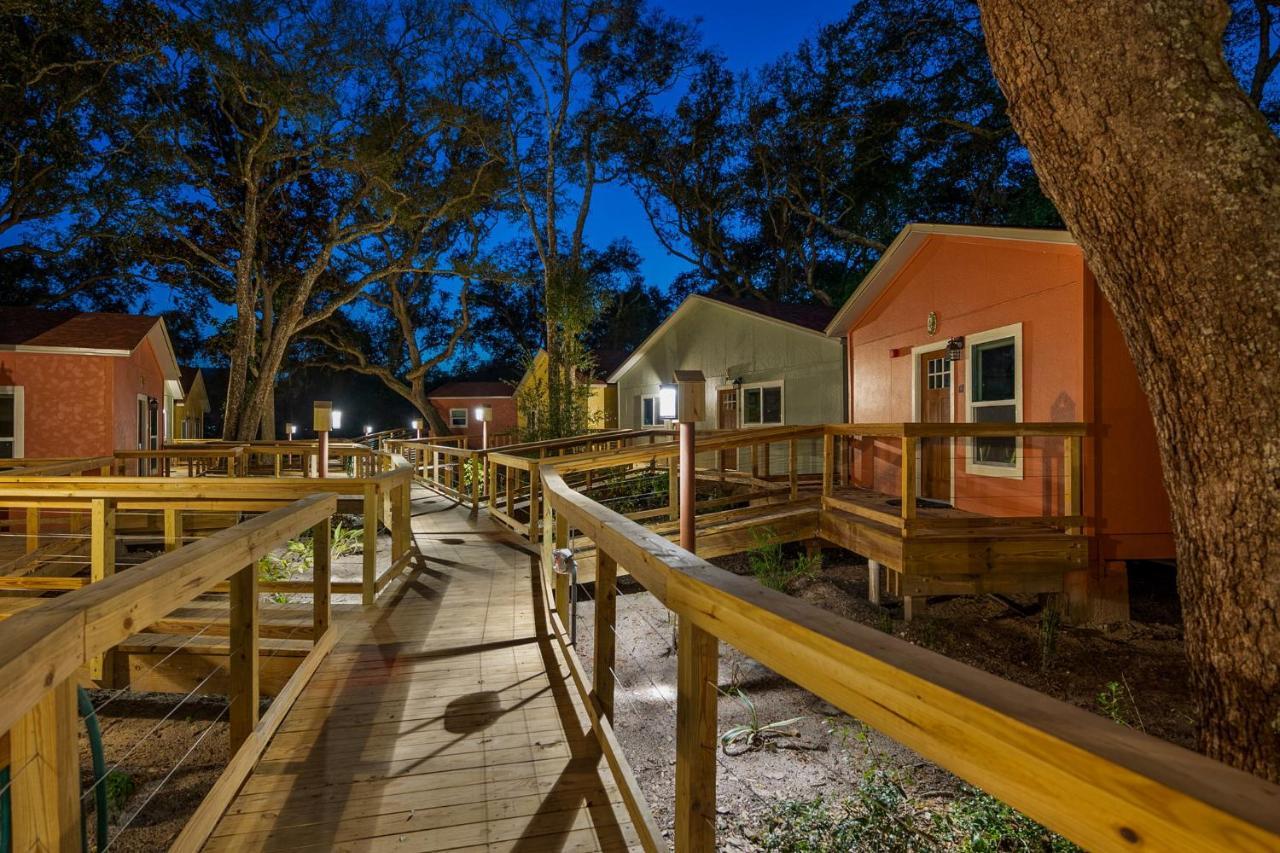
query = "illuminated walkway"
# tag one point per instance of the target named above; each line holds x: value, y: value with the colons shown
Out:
x: 444, y: 719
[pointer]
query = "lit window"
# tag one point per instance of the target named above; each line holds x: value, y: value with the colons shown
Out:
x: 994, y: 382
x: 457, y: 417
x: 762, y: 404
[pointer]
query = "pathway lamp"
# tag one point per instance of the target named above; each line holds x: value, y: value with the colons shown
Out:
x: 416, y: 425
x: 484, y: 414
x: 324, y: 418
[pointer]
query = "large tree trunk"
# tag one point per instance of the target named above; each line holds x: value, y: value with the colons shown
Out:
x: 1170, y: 180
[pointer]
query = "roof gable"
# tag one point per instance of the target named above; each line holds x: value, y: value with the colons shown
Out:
x: 76, y: 330
x: 905, y: 247
x: 803, y: 319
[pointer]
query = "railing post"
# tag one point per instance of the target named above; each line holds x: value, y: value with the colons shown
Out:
x: 562, y: 580
x: 673, y: 488
x: 606, y: 620
x: 509, y: 493
x: 33, y: 528
x: 828, y: 459
x: 1072, y: 448
x: 792, y: 473
x: 242, y: 681
x: 369, y: 577
x: 908, y: 487
x: 279, y: 463
x: 399, y: 541
x: 322, y: 562
x: 102, y: 564
x: 45, y: 761
x: 535, y: 513
x: 696, y: 677
x: 172, y: 529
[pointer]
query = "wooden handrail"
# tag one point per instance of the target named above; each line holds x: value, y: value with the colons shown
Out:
x: 43, y: 645
x: 1105, y: 786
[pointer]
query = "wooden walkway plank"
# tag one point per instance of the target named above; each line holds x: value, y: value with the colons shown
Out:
x: 445, y: 718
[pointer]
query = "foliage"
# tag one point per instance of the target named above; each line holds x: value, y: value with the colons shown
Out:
x: 119, y: 786
x: 472, y: 470
x: 299, y: 556
x: 772, y: 567
x: 632, y: 493
x: 882, y: 815
x: 344, y: 540
x: 753, y: 734
x: 1115, y: 702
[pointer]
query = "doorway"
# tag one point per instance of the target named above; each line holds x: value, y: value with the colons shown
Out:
x: 933, y: 383
x: 727, y: 418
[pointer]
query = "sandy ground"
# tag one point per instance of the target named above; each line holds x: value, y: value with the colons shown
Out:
x: 830, y: 750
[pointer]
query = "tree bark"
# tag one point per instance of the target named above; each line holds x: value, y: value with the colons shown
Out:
x: 1169, y: 178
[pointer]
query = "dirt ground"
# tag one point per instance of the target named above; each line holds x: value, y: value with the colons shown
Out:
x: 826, y: 752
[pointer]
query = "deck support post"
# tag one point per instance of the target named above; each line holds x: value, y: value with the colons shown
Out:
x: 873, y: 582
x: 45, y: 758
x: 914, y: 605
x: 369, y: 567
x: 242, y: 689
x: 102, y: 564
x: 606, y: 622
x: 322, y: 562
x: 696, y: 677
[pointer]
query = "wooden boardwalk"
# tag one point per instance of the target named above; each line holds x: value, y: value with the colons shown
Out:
x: 444, y: 719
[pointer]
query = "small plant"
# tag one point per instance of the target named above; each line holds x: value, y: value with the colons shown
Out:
x: 884, y: 621
x: 1050, y: 619
x: 752, y: 735
x: 772, y: 568
x: 344, y: 541
x: 119, y: 787
x: 1116, y: 703
x: 979, y: 823
x: 473, y: 469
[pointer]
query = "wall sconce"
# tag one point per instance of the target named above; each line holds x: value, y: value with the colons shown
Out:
x: 667, y: 402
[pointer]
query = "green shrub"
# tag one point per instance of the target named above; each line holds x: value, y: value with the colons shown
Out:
x: 979, y: 823
x: 119, y: 787
x: 770, y: 565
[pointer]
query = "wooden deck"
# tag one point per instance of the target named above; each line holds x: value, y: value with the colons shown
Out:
x: 444, y: 719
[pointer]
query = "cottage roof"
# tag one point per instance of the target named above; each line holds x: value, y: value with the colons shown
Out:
x: 469, y: 390
x: 85, y: 333
x: 808, y: 319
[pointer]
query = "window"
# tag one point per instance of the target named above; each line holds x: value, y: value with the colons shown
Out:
x: 995, y: 396
x: 762, y: 404
x: 11, y: 422
x: 457, y: 417
x: 938, y: 373
x: 649, y: 410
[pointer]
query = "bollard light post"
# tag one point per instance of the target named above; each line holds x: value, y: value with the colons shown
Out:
x: 322, y: 415
x: 484, y: 414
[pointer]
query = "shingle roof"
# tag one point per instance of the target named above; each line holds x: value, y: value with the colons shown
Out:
x: 815, y: 317
x: 37, y: 327
x: 473, y: 389
x: 189, y: 373
x: 609, y: 360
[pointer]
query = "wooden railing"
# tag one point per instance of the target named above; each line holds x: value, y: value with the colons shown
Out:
x: 1104, y: 786
x: 452, y: 471
x: 384, y: 497
x: 43, y: 650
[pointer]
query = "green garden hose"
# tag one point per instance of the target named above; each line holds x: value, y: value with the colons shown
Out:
x: 99, y: 773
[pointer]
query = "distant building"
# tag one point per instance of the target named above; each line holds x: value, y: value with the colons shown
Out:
x: 457, y: 402
x: 602, y: 403
x: 84, y: 384
x: 190, y: 411
x: 765, y: 363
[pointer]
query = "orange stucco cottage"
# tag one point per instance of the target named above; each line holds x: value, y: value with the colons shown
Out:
x: 969, y: 324
x: 84, y: 384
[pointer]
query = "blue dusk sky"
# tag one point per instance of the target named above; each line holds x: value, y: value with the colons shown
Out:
x: 749, y: 33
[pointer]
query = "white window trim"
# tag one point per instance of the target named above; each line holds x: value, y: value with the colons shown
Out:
x: 453, y: 425
x: 742, y: 403
x: 917, y: 355
x: 657, y: 421
x: 18, y: 393
x: 1014, y: 330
